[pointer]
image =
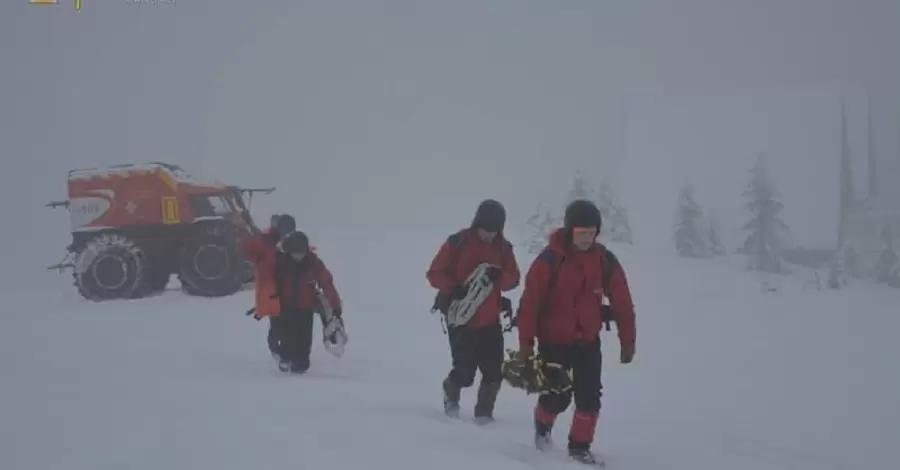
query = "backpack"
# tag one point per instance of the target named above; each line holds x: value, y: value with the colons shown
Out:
x: 442, y: 300
x: 610, y: 263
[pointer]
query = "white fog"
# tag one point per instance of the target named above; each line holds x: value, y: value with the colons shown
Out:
x: 383, y: 124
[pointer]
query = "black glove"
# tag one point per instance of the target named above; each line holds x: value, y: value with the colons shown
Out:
x: 493, y: 273
x: 459, y: 293
x: 252, y: 312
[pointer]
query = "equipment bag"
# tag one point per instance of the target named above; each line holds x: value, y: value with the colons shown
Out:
x: 334, y: 334
x: 479, y: 288
x: 443, y: 302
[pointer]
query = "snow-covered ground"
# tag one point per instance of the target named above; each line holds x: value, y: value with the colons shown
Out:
x: 725, y: 378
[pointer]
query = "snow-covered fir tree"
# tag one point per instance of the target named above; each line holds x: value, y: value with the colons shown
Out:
x: 888, y: 268
x: 851, y: 261
x: 690, y: 232
x: 766, y: 229
x: 837, y: 276
x: 714, y: 232
x: 581, y: 189
x: 544, y: 220
x: 540, y: 225
x: 838, y: 269
x: 615, y: 216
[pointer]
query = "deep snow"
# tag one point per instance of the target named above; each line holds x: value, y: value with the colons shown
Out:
x: 726, y: 377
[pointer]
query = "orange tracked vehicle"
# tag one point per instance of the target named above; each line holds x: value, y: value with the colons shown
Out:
x: 135, y: 225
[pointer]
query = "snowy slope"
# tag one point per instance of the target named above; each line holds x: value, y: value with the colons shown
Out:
x: 725, y: 378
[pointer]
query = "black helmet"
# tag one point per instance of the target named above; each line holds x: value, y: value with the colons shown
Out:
x: 284, y: 224
x: 490, y: 216
x: 295, y: 243
x: 582, y: 213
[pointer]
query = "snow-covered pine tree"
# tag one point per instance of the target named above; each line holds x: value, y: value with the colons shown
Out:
x: 888, y: 268
x: 766, y: 228
x: 714, y: 236
x: 581, y: 189
x: 837, y: 272
x: 690, y: 239
x: 540, y: 225
x: 615, y: 216
x: 837, y: 276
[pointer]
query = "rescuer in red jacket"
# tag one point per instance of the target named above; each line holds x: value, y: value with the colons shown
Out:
x: 561, y: 306
x: 260, y: 251
x: 477, y: 344
x: 298, y: 272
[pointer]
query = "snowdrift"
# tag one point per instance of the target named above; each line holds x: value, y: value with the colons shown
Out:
x: 725, y: 378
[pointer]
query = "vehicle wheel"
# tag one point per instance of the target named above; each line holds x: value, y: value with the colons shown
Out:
x: 110, y: 267
x: 155, y: 281
x: 210, y: 265
x: 249, y: 271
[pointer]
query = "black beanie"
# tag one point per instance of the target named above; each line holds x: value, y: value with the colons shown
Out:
x: 295, y: 242
x: 285, y: 224
x: 582, y: 213
x: 490, y: 216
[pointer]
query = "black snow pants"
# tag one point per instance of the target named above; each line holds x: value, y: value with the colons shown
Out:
x: 295, y: 332
x: 472, y: 350
x: 476, y: 349
x: 585, y: 360
x: 274, y: 336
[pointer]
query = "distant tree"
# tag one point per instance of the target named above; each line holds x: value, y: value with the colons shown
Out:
x: 888, y: 268
x: 837, y: 274
x: 838, y: 268
x: 616, y: 227
x: 852, y: 262
x: 716, y: 247
x: 691, y: 239
x: 581, y: 189
x: 540, y: 225
x: 615, y: 218
x: 766, y: 229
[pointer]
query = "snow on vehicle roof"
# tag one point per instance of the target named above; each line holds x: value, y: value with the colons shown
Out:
x: 178, y: 174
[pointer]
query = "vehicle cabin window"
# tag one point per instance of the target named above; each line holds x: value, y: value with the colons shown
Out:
x: 220, y: 205
x: 210, y: 206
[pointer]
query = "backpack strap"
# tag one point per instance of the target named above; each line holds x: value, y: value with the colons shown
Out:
x: 549, y: 257
x: 610, y: 263
x: 456, y: 242
x: 441, y: 300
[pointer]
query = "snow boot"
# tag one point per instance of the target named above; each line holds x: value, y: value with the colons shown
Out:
x: 487, y: 397
x: 543, y: 427
x: 451, y: 398
x: 585, y: 456
x: 542, y: 441
x: 581, y: 435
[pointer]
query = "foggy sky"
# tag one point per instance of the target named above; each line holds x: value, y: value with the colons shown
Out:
x: 401, y: 114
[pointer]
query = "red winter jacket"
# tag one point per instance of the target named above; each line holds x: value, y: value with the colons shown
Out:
x: 296, y: 281
x: 260, y: 251
x: 470, y: 252
x: 575, y: 310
